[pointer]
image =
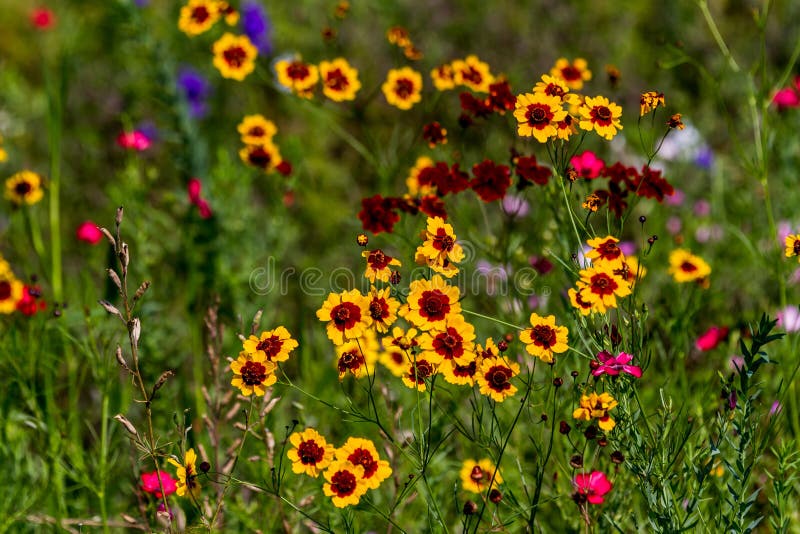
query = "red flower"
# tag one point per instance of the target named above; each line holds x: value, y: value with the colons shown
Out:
x: 89, y: 233
x: 614, y: 197
x: 593, y: 486
x: 474, y: 106
x: 434, y: 134
x: 135, y: 140
x: 530, y: 171
x: 42, y: 18
x: 491, y: 180
x: 377, y: 214
x: 150, y: 483
x: 29, y: 303
x: 433, y: 206
x: 454, y: 182
x: 587, y: 165
x: 711, y: 338
x: 284, y: 167
x: 619, y: 173
x: 649, y: 183
x: 501, y: 98
x: 434, y: 175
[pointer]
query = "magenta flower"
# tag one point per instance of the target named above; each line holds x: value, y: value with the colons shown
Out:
x: 786, y: 98
x: 193, y: 189
x: 135, y: 140
x: 150, y: 483
x: 711, y: 338
x: 614, y: 365
x: 89, y: 233
x: 587, y: 165
x: 593, y: 485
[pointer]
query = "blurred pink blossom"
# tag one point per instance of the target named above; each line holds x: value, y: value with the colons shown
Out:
x: 587, y: 165
x: 593, y: 485
x: 88, y: 232
x: 711, y: 338
x: 789, y: 318
x: 135, y: 140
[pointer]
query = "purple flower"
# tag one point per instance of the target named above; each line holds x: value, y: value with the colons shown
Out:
x: 676, y: 199
x: 613, y: 365
x: 775, y: 408
x: 256, y: 25
x: 704, y: 158
x: 627, y: 247
x: 789, y: 318
x: 515, y: 206
x: 195, y: 89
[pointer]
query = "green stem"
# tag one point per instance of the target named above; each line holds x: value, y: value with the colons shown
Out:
x: 54, y: 130
x: 482, y: 316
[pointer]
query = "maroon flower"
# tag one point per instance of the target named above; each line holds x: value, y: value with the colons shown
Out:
x: 491, y: 180
x: 530, y: 171
x: 501, y: 99
x: 433, y: 206
x: 434, y: 134
x: 377, y: 214
x: 474, y: 107
x: 650, y: 184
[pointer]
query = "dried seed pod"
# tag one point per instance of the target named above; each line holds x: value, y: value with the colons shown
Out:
x: 115, y: 278
x: 166, y: 375
x: 110, y: 308
x: 127, y: 424
x: 141, y: 290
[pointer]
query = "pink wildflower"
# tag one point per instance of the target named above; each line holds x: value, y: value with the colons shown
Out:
x: 150, y: 483
x: 89, y: 233
x: 593, y: 486
x: 135, y: 140
x: 711, y: 338
x: 613, y: 365
x: 587, y: 165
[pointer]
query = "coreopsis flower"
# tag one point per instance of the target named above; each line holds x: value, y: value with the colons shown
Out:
x: 613, y: 74
x: 25, y: 187
x: 339, y: 80
x: 358, y: 356
x: 379, y: 265
x: 416, y: 371
x: 234, y: 56
x: 344, y: 483
x: 434, y: 134
x: 556, y: 86
x: 398, y: 35
x: 227, y: 12
x: 614, y: 365
x: 501, y: 99
x: 382, y: 309
x: 256, y: 130
x: 573, y: 74
x: 472, y: 73
x: 187, y: 474
x: 594, y: 406
x: 530, y: 171
x: 538, y: 115
x: 360, y: 451
x: 264, y: 156
x: 600, y: 115
x: 433, y: 206
x: 491, y: 180
x: 198, y: 16
x: 461, y: 374
x: 600, y: 286
x: 253, y: 373
x: 378, y: 214
x: 476, y: 476
x: 443, y: 77
x: 298, y: 76
x: 413, y: 183
x: 275, y: 345
x: 346, y: 314
x: 579, y: 300
x: 494, y: 378
x: 587, y: 164
x: 605, y: 252
x: 544, y: 338
x: 650, y: 184
x: 398, y: 348
x: 430, y: 302
x: 592, y: 203
x: 11, y: 291
x: 675, y: 122
x: 151, y: 485
x: 310, y: 453
x: 792, y: 243
x: 403, y: 87
x: 452, y: 342
x: 686, y: 267
x: 631, y: 270
x: 649, y: 101
x: 440, y: 251
x: 711, y: 338
x: 88, y: 232
x: 592, y: 487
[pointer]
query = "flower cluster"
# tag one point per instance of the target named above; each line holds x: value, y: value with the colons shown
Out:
x: 254, y: 369
x: 259, y: 150
x: 17, y: 296
x: 338, y: 78
x: 399, y: 36
x: 609, y: 277
x: 349, y: 471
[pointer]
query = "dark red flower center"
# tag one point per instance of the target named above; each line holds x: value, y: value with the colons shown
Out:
x: 434, y: 305
x: 472, y: 75
x: 497, y: 377
x: 256, y: 131
x: 297, y: 70
x: 404, y: 88
x: 343, y: 483
x: 336, y: 80
x: 602, y: 284
x: 310, y: 453
x: 345, y: 315
x: 554, y: 89
x: 570, y: 73
x: 449, y: 344
x: 796, y: 247
x: 5, y: 290
x: 609, y: 250
x: 465, y: 370
x: 350, y: 361
x: 601, y: 115
x: 378, y: 260
x: 477, y: 474
x: 442, y: 241
x: 688, y: 267
x: 543, y: 335
x: 539, y: 115
x: 259, y: 157
x: 22, y: 188
x: 271, y: 346
x: 253, y: 373
x: 378, y: 309
x: 235, y: 56
x: 420, y: 371
x: 364, y: 458
x: 200, y: 14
